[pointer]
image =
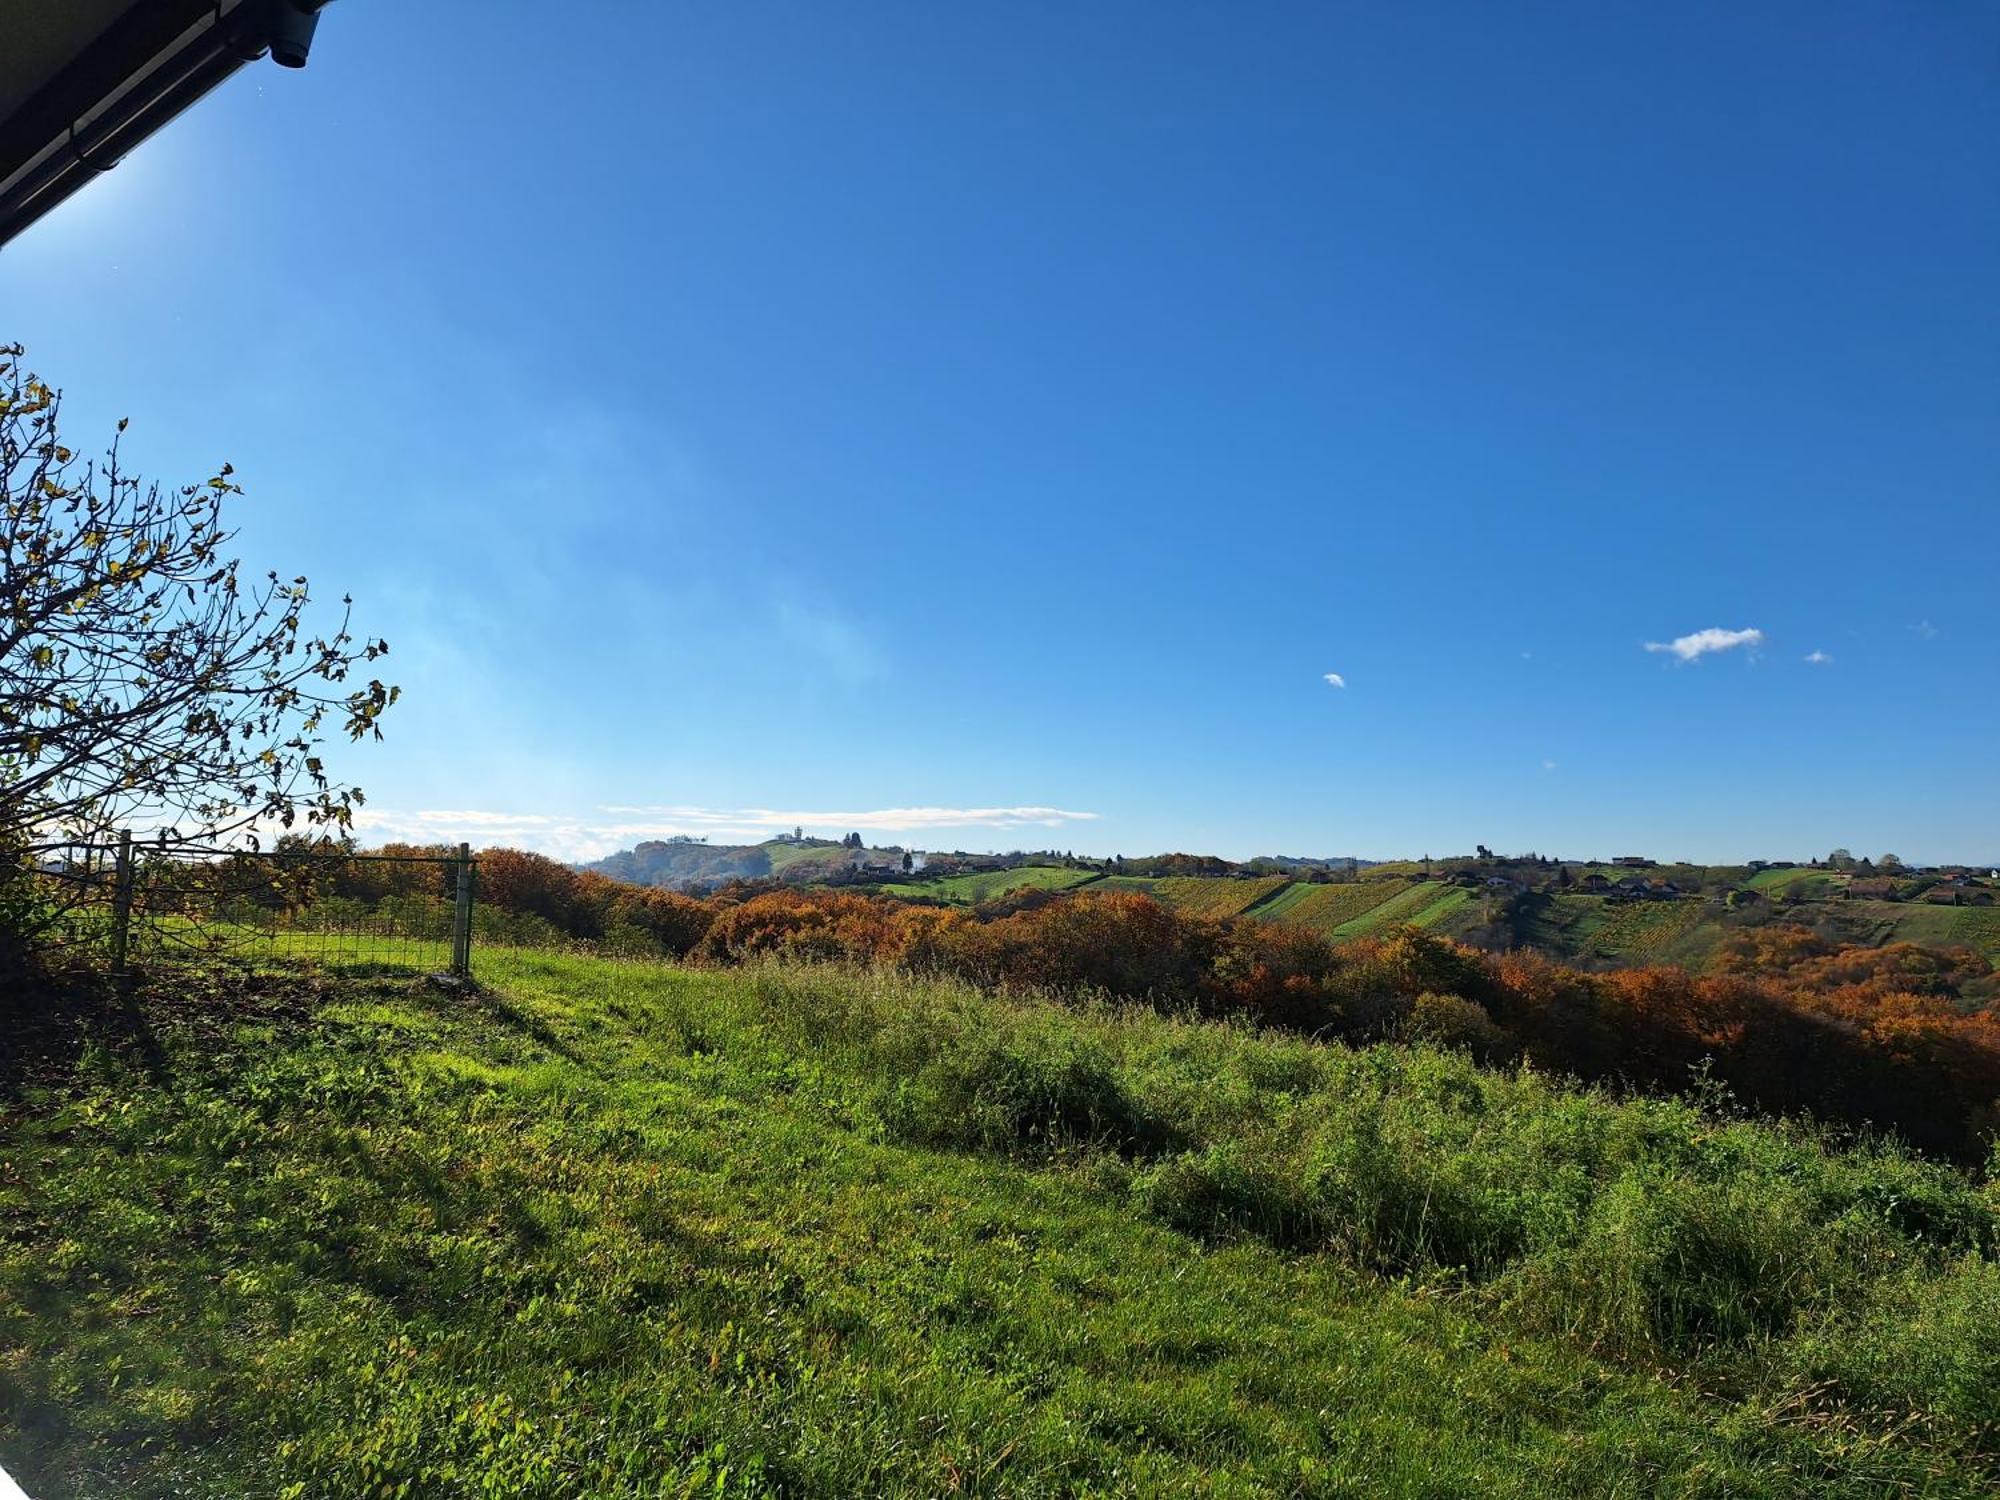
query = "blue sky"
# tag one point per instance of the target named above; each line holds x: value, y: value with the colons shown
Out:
x: 739, y: 415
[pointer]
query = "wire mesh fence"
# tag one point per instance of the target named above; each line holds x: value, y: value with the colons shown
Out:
x: 128, y: 905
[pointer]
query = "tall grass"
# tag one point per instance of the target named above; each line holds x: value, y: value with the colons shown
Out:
x: 1663, y: 1232
x: 620, y: 1229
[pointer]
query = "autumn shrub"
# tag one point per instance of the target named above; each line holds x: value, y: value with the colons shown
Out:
x: 1121, y: 944
x: 1453, y: 1022
x: 1279, y: 974
x: 663, y: 921
x: 536, y: 885
x: 806, y: 924
x: 408, y: 870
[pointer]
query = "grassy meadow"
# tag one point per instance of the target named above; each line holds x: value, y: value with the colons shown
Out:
x: 1202, y: 896
x: 618, y: 1229
x: 1327, y: 908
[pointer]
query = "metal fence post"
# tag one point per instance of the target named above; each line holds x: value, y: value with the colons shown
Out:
x: 461, y: 917
x: 121, y: 907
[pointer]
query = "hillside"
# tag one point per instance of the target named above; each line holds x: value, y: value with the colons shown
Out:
x: 682, y: 864
x: 620, y: 1230
x: 677, y: 865
x: 1566, y: 923
x: 1574, y: 913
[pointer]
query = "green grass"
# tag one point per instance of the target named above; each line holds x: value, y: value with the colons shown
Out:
x: 783, y: 856
x: 618, y: 1230
x: 1443, y: 906
x: 1876, y: 922
x: 970, y: 890
x: 1273, y: 908
x: 1921, y: 922
x: 1327, y: 908
x: 1209, y: 896
x: 1797, y: 881
x: 1562, y: 926
x: 1403, y: 906
x: 1978, y: 927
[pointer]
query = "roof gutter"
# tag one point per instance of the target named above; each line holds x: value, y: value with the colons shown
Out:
x: 148, y: 66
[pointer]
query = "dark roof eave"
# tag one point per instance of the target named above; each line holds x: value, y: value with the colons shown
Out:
x: 151, y: 63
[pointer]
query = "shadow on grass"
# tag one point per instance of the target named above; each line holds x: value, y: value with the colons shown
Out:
x: 50, y: 1022
x: 514, y: 1018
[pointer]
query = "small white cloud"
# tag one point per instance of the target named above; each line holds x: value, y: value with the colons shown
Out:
x: 1924, y: 629
x: 1548, y: 765
x: 1818, y: 658
x: 1704, y: 642
x: 1334, y: 679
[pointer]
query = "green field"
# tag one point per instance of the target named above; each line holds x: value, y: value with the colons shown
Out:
x: 1977, y: 927
x: 1207, y: 896
x: 616, y: 1230
x: 1921, y: 922
x: 1274, y: 907
x: 984, y: 885
x: 1797, y: 882
x: 1402, y: 906
x: 1326, y: 908
x: 1443, y: 906
x: 1584, y: 928
x: 784, y: 856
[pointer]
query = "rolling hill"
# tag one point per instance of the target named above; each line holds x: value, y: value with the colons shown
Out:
x: 1572, y: 922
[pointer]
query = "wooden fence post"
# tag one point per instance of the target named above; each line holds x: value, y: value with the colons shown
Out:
x: 121, y: 908
x: 461, y: 917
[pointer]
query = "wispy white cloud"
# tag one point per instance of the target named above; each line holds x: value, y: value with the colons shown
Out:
x: 1924, y: 629
x: 1548, y: 765
x: 1334, y: 679
x: 619, y: 827
x: 891, y: 819
x: 1818, y: 658
x: 1706, y: 642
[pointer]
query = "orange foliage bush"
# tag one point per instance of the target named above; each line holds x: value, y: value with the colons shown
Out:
x: 677, y: 923
x: 806, y: 923
x: 536, y: 885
